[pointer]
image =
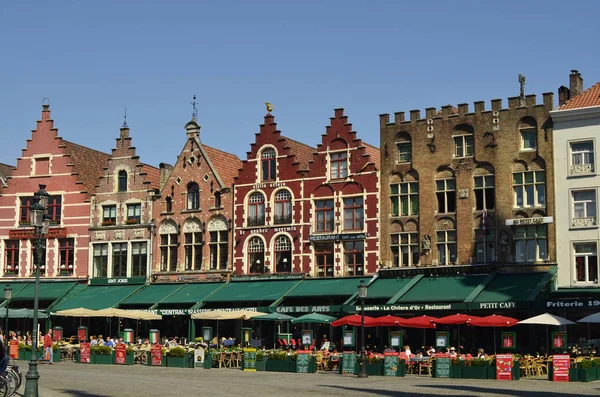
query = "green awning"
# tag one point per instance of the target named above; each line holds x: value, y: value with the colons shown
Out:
x: 191, y: 293
x: 244, y: 291
x: 385, y: 288
x: 47, y: 291
x: 97, y: 297
x: 151, y: 294
x: 510, y: 287
x: 442, y: 289
x: 326, y: 287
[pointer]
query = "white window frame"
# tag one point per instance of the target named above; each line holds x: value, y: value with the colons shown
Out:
x: 465, y: 143
x: 484, y: 187
x: 446, y: 245
x: 525, y: 131
x: 411, y: 192
x: 535, y: 238
x: 409, y: 245
x: 586, y: 257
x: 582, y: 162
x: 447, y: 192
x: 523, y: 186
x: 584, y: 210
x: 340, y: 173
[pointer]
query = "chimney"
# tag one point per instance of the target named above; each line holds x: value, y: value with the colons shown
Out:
x: 564, y: 94
x: 575, y: 83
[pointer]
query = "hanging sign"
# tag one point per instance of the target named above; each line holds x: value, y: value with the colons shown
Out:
x: 560, y: 367
x: 504, y: 366
x: 14, y: 349
x: 156, y: 355
x: 84, y: 352
x: 121, y: 354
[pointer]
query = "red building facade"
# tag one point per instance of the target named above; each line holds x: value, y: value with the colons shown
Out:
x: 70, y: 173
x: 300, y: 209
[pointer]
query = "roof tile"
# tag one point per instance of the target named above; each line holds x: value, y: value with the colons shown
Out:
x: 588, y: 98
x: 89, y: 163
x: 227, y: 164
x: 303, y: 152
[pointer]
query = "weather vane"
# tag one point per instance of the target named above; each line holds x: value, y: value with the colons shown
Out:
x: 194, y: 111
x: 269, y: 107
x: 125, y: 119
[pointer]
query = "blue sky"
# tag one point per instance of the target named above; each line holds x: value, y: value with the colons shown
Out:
x: 93, y: 59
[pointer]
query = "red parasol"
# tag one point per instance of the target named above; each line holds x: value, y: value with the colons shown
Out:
x: 420, y: 322
x: 355, y: 320
x: 456, y: 319
x: 390, y: 321
x: 494, y: 321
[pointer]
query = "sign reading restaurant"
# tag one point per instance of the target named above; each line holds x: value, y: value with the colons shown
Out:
x: 536, y: 220
x: 53, y: 232
x: 337, y: 237
x: 421, y: 307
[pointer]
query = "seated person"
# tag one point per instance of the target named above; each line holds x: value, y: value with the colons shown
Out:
x: 452, y: 352
x: 109, y: 342
x: 480, y: 353
x: 430, y: 351
x: 173, y: 342
x: 407, y: 351
x: 100, y: 340
x: 93, y: 341
x: 389, y: 349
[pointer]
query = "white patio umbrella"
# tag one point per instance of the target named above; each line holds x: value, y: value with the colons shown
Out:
x: 547, y: 319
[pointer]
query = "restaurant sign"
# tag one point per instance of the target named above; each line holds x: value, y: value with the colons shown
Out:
x: 576, y: 303
x: 190, y: 278
x: 338, y: 237
x: 410, y: 307
x: 55, y: 232
x: 536, y: 220
x: 308, y: 309
x: 118, y: 281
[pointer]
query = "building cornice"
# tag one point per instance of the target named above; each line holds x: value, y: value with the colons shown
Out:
x: 575, y: 114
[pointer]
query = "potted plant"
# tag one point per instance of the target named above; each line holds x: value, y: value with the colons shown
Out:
x: 129, y: 357
x: 456, y: 368
x: 475, y: 369
x: 277, y: 362
x: 587, y: 371
x: 374, y: 366
x: 176, y: 357
x: 101, y: 355
x: 55, y: 353
x: 261, y: 361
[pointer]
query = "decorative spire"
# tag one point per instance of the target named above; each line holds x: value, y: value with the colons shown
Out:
x: 194, y: 110
x: 269, y: 107
x: 125, y: 120
x: 522, y: 84
x: 45, y: 103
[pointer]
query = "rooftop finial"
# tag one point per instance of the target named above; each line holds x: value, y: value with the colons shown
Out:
x: 45, y: 103
x: 522, y: 84
x: 125, y: 119
x: 194, y: 110
x: 269, y: 107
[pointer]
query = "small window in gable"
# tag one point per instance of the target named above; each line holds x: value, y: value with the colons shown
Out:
x: 122, y: 181
x: 268, y: 164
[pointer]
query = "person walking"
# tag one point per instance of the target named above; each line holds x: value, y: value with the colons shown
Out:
x: 48, y: 353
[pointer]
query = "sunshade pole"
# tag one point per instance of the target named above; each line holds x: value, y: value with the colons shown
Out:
x: 458, y: 342
x: 494, y: 340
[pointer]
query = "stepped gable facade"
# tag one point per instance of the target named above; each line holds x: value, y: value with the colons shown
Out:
x: 193, y: 215
x: 471, y: 186
x: 69, y: 172
x: 121, y: 224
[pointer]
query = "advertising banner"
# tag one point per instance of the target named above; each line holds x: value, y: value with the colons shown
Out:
x: 560, y: 365
x: 156, y: 355
x: 121, y: 354
x: 504, y: 366
x: 84, y: 352
x: 14, y: 349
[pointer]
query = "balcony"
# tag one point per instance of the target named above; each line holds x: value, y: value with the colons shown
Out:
x: 582, y: 169
x: 282, y: 219
x: 584, y: 222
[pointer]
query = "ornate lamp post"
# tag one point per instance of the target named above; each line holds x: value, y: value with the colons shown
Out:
x: 41, y: 224
x: 362, y: 294
x: 7, y: 298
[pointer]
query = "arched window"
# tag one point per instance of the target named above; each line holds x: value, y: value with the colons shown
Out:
x: 192, y: 233
x: 256, y: 210
x: 283, y: 254
x: 339, y: 165
x: 463, y: 141
x: 219, y: 243
x: 256, y: 255
x: 217, y: 200
x: 268, y: 164
x: 283, y: 207
x: 193, y: 196
x: 122, y: 181
x: 169, y: 204
x: 445, y: 191
x: 528, y: 134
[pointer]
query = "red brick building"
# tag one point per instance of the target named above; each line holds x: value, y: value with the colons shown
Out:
x: 194, y: 212
x: 70, y: 173
x: 121, y: 223
x: 300, y: 209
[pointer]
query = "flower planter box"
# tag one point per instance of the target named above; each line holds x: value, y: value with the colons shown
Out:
x: 401, y: 368
x: 56, y: 356
x: 456, y: 371
x: 207, y: 359
x: 26, y: 355
x: 177, y: 362
x: 279, y: 365
x: 102, y: 358
x: 261, y: 365
x: 587, y: 374
x: 375, y: 368
x: 469, y: 372
x: 516, y: 371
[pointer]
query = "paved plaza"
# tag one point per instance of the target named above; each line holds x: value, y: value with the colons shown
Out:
x: 77, y: 380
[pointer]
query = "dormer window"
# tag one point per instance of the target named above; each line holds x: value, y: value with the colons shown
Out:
x: 268, y: 164
x: 122, y: 181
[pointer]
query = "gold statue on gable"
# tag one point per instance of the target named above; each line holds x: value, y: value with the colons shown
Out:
x: 269, y: 107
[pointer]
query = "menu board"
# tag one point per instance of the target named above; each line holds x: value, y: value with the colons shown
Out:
x: 198, y: 358
x: 509, y: 340
x: 504, y: 366
x: 302, y: 360
x: 84, y: 352
x: 82, y: 334
x: 442, y: 365
x: 156, y: 355
x: 249, y: 359
x: 390, y: 364
x: 120, y: 354
x: 560, y: 367
x: 349, y: 362
x: 14, y: 349
x: 559, y: 340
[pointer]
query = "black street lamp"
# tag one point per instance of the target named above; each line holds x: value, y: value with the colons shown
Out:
x: 40, y: 222
x: 362, y: 294
x: 7, y: 298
